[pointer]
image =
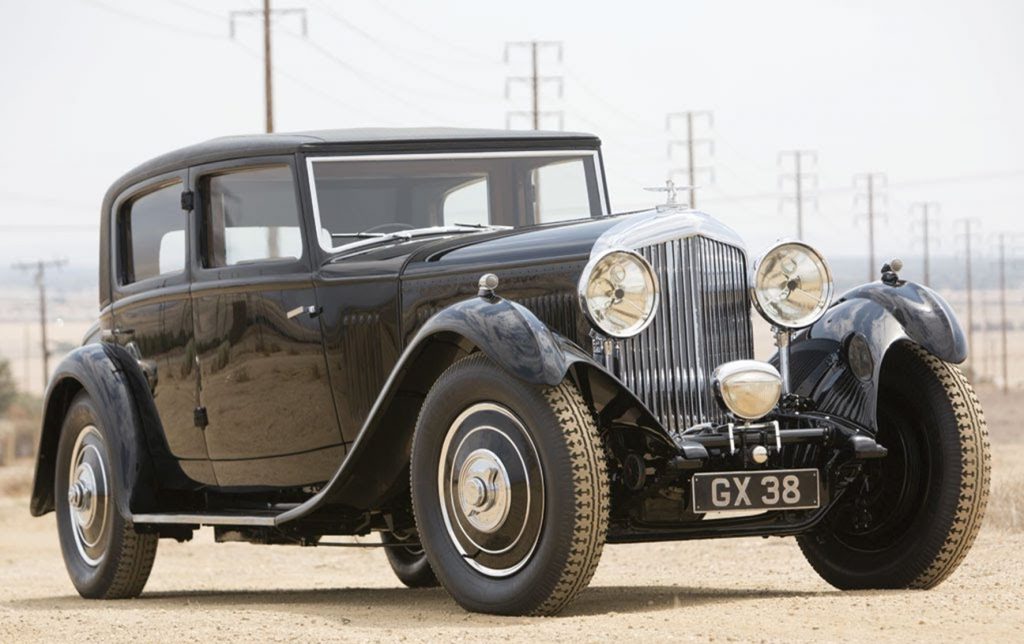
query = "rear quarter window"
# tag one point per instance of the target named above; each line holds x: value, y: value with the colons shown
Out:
x: 152, y: 233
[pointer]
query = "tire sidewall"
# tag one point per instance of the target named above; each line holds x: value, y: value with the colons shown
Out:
x: 90, y: 581
x: 469, y: 382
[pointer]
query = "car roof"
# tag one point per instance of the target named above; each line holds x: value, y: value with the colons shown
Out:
x: 352, y: 139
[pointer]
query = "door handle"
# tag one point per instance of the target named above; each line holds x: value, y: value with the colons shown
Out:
x: 311, y: 310
x: 115, y: 333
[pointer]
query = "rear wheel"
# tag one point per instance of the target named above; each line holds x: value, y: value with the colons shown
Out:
x: 409, y: 562
x: 104, y: 556
x: 911, y: 517
x: 510, y: 490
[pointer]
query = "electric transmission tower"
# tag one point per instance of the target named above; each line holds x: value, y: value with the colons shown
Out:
x: 798, y: 166
x: 927, y: 210
x: 870, y: 187
x: 688, y: 140
x: 535, y: 81
x: 970, y: 226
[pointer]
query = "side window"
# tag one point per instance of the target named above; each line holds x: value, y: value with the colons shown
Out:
x: 560, y: 191
x: 152, y: 233
x: 250, y: 216
x: 468, y: 203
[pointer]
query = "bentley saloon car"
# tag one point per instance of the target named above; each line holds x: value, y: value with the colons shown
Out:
x: 447, y: 337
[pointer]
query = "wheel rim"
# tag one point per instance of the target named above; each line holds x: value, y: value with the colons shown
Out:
x: 88, y: 495
x: 491, y: 489
x: 892, y: 490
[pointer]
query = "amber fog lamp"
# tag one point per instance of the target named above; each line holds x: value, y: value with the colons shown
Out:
x: 748, y: 388
x: 792, y: 285
x: 619, y: 293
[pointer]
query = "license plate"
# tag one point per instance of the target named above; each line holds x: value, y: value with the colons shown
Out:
x: 764, y: 490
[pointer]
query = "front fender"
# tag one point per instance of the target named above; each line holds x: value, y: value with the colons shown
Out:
x: 510, y: 335
x: 882, y: 315
x: 507, y: 332
x: 104, y: 372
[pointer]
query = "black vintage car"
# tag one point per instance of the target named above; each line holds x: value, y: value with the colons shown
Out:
x: 446, y: 337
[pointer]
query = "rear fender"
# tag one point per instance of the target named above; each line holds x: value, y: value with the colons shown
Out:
x: 119, y: 392
x: 882, y: 315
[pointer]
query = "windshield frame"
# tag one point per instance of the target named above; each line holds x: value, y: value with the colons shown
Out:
x: 594, y: 153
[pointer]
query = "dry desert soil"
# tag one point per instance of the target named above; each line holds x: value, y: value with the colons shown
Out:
x: 728, y: 590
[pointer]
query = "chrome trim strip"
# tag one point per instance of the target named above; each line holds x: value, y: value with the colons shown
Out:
x: 204, y: 519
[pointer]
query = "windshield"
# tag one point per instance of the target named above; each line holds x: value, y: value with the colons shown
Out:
x: 355, y: 197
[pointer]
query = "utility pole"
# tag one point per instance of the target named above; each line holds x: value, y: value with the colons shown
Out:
x: 265, y: 14
x: 927, y: 210
x: 690, y: 142
x: 534, y: 81
x: 968, y: 224
x: 801, y: 159
x: 40, y: 267
x: 869, y: 184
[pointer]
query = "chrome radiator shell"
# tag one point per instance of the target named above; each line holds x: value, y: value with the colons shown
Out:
x: 703, y: 320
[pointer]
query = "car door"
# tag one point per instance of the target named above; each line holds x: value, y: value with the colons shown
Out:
x: 152, y: 313
x: 264, y: 386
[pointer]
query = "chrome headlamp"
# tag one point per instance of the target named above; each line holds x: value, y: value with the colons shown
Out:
x: 748, y: 388
x: 619, y: 293
x: 792, y: 285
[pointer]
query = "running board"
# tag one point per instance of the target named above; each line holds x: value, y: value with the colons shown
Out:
x: 179, y: 518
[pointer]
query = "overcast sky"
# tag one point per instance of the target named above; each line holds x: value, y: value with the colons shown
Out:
x: 931, y: 93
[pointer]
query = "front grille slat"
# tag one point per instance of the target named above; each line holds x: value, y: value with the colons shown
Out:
x: 703, y: 321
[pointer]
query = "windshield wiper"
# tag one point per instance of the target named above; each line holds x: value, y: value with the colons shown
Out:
x: 370, y: 239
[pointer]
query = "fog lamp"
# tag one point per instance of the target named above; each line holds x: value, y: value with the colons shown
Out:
x: 748, y: 388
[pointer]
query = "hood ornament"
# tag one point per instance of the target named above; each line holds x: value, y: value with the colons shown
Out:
x: 672, y: 196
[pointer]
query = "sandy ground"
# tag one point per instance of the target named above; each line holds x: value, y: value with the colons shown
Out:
x: 729, y: 590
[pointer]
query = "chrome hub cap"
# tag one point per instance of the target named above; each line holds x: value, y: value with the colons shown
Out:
x: 484, y: 490
x: 491, y: 489
x: 88, y: 495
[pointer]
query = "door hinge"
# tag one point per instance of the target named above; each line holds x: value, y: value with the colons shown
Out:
x: 188, y: 200
x: 200, y: 417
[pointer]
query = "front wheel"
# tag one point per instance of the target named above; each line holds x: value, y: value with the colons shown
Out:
x: 911, y: 517
x: 104, y: 556
x: 509, y: 490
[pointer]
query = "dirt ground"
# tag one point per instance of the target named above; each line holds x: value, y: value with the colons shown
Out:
x: 730, y: 590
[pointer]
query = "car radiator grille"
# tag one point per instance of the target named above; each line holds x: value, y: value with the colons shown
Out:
x: 703, y: 320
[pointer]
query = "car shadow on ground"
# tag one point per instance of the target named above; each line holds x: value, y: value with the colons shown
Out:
x: 433, y: 607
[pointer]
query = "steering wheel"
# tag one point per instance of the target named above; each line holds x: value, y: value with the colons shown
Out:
x: 392, y: 227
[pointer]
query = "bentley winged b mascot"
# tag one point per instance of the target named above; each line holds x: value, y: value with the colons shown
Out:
x: 446, y: 337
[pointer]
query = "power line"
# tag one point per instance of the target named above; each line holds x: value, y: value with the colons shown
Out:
x: 149, y: 21
x: 393, y: 50
x: 446, y: 42
x: 365, y: 77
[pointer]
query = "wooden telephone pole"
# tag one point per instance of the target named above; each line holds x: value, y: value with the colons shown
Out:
x: 40, y: 267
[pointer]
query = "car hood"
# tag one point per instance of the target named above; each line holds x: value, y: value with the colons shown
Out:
x: 574, y: 241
